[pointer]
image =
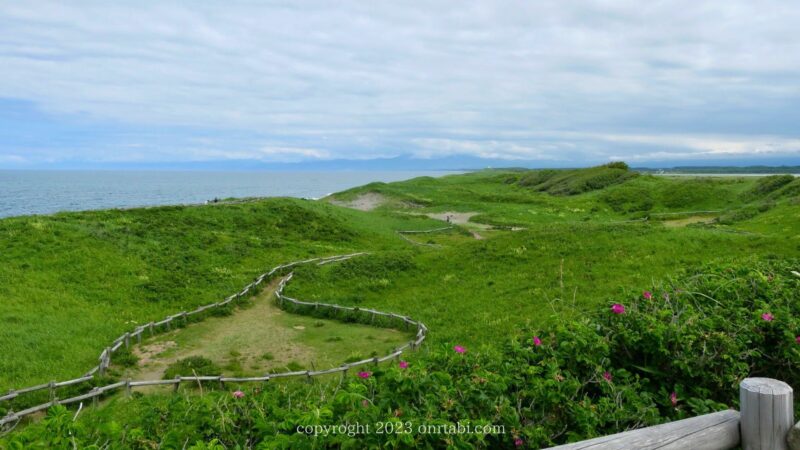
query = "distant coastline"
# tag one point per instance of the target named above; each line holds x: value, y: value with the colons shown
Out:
x: 28, y: 192
x: 724, y: 170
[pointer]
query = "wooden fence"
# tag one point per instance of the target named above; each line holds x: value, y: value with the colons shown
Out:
x: 767, y: 415
x: 403, y: 233
x: 164, y: 325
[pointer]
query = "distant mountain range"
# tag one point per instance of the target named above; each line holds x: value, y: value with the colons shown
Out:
x: 454, y: 163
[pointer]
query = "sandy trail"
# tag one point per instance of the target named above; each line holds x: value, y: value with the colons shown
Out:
x: 458, y: 218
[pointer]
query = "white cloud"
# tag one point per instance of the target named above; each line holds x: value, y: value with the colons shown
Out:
x: 354, y: 79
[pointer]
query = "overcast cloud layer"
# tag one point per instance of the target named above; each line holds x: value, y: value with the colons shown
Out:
x: 552, y: 81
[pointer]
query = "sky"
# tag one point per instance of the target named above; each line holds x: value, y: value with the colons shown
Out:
x: 542, y: 83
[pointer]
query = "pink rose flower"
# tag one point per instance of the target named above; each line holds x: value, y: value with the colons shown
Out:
x: 518, y: 442
x: 238, y: 394
x: 607, y: 376
x: 536, y: 341
x: 460, y: 349
x: 647, y: 294
x: 768, y: 317
x: 673, y: 398
x: 617, y: 308
x: 364, y: 374
x: 404, y: 364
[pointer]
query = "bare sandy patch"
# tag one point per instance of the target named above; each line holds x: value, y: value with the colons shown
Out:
x: 148, y: 352
x: 687, y: 221
x: 364, y: 202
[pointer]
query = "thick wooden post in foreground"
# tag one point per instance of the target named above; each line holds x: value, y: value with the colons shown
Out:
x: 767, y: 413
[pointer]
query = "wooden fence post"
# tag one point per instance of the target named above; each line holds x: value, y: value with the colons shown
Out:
x: 127, y: 340
x: 9, y: 417
x: 52, y: 387
x: 767, y: 413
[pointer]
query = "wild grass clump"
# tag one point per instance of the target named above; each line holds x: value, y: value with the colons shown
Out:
x: 190, y: 366
x: 628, y: 199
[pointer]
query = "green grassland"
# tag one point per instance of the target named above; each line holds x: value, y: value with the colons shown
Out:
x: 555, y: 247
x: 70, y: 283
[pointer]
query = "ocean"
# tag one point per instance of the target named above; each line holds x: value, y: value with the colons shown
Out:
x: 24, y: 192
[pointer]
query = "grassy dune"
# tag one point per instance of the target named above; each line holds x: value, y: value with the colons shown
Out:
x: 542, y: 250
x: 70, y: 283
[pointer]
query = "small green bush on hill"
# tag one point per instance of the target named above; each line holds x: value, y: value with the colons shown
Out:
x: 767, y: 185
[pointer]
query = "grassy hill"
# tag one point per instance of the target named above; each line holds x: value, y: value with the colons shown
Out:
x: 531, y: 252
x: 72, y: 282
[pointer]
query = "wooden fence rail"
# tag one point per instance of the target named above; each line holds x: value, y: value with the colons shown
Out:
x: 764, y: 422
x: 124, y: 340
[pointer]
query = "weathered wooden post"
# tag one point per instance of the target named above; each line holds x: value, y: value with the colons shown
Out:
x: 127, y: 338
x: 95, y: 399
x: 767, y: 413
x: 52, y: 387
x: 177, y: 383
x: 128, y: 388
x: 8, y: 419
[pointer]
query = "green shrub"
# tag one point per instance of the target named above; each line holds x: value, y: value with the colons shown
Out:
x: 537, y: 177
x: 617, y: 165
x: 628, y: 199
x: 738, y: 215
x: 190, y: 366
x: 124, y: 357
x: 768, y: 185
